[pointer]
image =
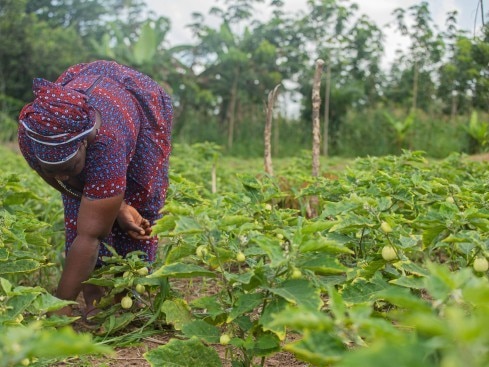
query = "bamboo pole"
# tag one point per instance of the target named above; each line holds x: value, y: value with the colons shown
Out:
x: 272, y: 97
x: 316, y: 125
x: 316, y: 133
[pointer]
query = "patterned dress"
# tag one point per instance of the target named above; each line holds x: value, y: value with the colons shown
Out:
x: 130, y: 154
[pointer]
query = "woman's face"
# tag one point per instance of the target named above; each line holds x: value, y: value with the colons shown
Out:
x: 65, y: 170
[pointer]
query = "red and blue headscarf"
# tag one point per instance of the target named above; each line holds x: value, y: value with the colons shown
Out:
x: 56, y: 121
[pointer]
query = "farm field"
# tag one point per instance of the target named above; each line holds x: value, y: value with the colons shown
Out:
x: 389, y: 265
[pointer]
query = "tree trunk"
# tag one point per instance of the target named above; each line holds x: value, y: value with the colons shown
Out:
x: 230, y: 113
x: 272, y: 96
x: 214, y: 178
x: 326, y: 110
x: 415, y: 86
x: 453, y: 110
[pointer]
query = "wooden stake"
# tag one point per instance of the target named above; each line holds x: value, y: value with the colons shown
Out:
x: 316, y: 132
x: 272, y: 97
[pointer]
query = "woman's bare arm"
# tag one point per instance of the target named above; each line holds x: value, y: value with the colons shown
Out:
x: 95, y: 221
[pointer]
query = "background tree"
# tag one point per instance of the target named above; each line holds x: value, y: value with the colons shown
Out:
x: 453, y: 73
x: 425, y: 50
x: 29, y: 46
x: 238, y: 67
x: 351, y: 46
x: 480, y: 54
x: 87, y: 17
x: 220, y: 81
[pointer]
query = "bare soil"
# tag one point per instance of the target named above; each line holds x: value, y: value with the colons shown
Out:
x: 483, y: 157
x: 134, y: 355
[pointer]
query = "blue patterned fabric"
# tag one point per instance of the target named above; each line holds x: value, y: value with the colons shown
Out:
x: 131, y: 150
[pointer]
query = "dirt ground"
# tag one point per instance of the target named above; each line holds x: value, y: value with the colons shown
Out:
x: 133, y: 356
x: 483, y: 157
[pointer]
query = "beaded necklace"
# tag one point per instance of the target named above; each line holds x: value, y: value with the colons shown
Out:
x: 70, y: 190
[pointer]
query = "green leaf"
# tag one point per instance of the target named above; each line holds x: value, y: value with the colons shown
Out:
x: 319, y: 348
x: 145, y: 46
x: 273, y: 307
x: 46, y: 302
x: 33, y: 238
x: 210, y: 304
x: 102, y: 282
x: 369, y: 269
x: 402, y: 297
x: 179, y: 252
x: 431, y: 233
x: 273, y: 249
x: 181, y: 270
x: 186, y: 225
x: 18, y: 303
x: 324, y: 245
x: 336, y: 304
x: 322, y: 264
x: 296, y: 318
x: 335, y: 208
x: 317, y: 226
x: 19, y: 254
x: 299, y: 292
x: 19, y: 266
x: 412, y: 268
x: 202, y: 330
x: 177, y: 313
x: 243, y: 278
x: 352, y: 223
x: 3, y: 254
x: 245, y: 303
x: 409, y: 281
x: 64, y: 343
x: 382, y: 354
x: 115, y: 323
x: 233, y: 220
x: 266, y: 344
x: 183, y: 353
x: 55, y: 321
x: 164, y: 225
x: 361, y: 290
x: 6, y: 285
x: 442, y: 281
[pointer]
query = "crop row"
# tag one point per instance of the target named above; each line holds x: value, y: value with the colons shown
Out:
x: 384, y: 261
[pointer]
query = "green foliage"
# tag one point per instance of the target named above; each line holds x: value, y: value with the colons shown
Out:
x: 27, y: 242
x: 41, y: 345
x: 263, y: 271
x: 369, y: 133
x: 401, y: 127
x: 28, y: 252
x: 219, y: 83
x: 126, y: 277
x: 437, y: 214
x: 185, y: 353
x: 8, y: 127
x: 478, y: 131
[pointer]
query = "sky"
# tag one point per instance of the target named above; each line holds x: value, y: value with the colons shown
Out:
x: 380, y: 11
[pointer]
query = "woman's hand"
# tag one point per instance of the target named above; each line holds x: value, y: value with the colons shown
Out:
x: 133, y: 223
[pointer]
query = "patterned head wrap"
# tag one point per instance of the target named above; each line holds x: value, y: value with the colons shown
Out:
x: 56, y: 121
